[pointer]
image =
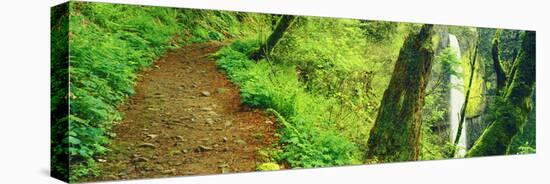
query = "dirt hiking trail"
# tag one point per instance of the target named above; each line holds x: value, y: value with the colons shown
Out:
x: 185, y: 118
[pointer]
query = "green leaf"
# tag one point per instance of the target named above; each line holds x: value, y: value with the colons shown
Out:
x: 73, y: 140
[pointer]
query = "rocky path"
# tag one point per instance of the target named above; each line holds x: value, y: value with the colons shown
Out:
x: 185, y: 119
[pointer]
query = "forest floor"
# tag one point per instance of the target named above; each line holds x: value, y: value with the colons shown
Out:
x: 185, y: 118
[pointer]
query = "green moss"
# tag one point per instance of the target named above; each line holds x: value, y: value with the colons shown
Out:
x: 396, y: 132
x: 270, y: 166
x: 476, y: 101
x: 513, y: 107
x: 498, y: 136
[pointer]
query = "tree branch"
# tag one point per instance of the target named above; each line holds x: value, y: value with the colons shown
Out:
x: 501, y: 75
x: 465, y: 105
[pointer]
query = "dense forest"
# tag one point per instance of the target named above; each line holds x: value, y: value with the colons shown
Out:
x: 155, y: 83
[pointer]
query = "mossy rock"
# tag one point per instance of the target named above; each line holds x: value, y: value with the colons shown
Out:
x: 270, y: 166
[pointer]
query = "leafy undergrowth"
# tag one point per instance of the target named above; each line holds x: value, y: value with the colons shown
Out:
x: 109, y: 44
x: 308, y: 140
x: 324, y: 83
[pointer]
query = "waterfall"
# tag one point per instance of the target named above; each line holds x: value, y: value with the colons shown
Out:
x: 456, y: 101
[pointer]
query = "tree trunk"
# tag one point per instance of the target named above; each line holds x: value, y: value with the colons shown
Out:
x: 501, y: 75
x: 284, y: 23
x: 513, y: 69
x: 396, y: 132
x: 513, y: 105
x: 467, y: 96
x: 274, y: 19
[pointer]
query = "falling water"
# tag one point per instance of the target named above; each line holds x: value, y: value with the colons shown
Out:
x: 456, y: 100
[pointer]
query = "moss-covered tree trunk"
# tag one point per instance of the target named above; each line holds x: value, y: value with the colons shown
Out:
x: 499, y: 70
x: 513, y: 105
x: 396, y: 132
x: 284, y: 23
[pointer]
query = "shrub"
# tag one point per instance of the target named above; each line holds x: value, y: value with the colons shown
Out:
x: 306, y: 141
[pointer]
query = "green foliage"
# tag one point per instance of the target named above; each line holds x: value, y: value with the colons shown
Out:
x: 308, y: 139
x: 59, y: 89
x: 526, y: 148
x: 324, y: 96
x: 270, y: 166
x: 512, y: 110
x: 525, y: 142
x: 334, y: 59
x: 268, y: 154
x: 509, y: 45
x: 434, y: 146
x: 324, y: 80
x: 379, y: 31
x: 449, y: 62
x: 496, y: 133
x: 109, y: 44
x: 434, y: 142
x: 80, y: 169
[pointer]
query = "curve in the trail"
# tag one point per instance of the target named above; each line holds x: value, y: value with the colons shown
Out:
x: 185, y: 119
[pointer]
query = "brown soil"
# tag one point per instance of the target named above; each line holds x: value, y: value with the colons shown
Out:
x: 170, y: 128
